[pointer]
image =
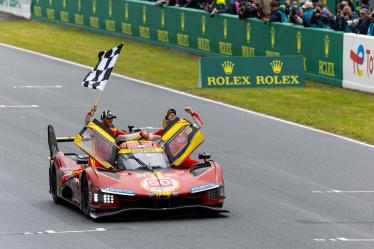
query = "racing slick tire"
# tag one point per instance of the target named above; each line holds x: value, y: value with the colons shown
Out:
x: 85, y: 204
x: 53, y: 184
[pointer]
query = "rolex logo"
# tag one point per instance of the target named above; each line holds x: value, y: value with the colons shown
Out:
x: 110, y: 9
x: 126, y: 11
x: 144, y: 14
x: 276, y: 66
x: 94, y: 7
x: 298, y: 41
x: 225, y: 25
x: 228, y: 67
x: 203, y: 25
x: 327, y: 45
x: 272, y: 38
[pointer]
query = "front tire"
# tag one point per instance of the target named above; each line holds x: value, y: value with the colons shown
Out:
x: 85, y: 203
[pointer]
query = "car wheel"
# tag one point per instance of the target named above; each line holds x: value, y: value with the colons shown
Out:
x: 53, y: 184
x: 85, y: 204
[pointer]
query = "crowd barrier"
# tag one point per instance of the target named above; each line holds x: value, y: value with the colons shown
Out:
x: 20, y: 8
x: 197, y: 32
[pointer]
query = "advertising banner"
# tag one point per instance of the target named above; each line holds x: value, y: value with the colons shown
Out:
x: 281, y: 71
x: 195, y: 31
x: 358, y: 54
x: 20, y: 8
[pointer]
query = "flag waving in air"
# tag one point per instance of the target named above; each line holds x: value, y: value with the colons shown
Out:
x: 99, y: 75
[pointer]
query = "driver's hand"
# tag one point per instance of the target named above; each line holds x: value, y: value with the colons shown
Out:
x: 154, y: 137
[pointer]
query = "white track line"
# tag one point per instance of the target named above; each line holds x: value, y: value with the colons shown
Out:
x: 344, y: 240
x: 335, y: 191
x: 19, y: 106
x: 56, y: 86
x: 196, y: 97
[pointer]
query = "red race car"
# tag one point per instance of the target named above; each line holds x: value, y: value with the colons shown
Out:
x: 135, y: 175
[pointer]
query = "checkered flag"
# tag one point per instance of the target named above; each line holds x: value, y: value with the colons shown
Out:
x: 99, y: 75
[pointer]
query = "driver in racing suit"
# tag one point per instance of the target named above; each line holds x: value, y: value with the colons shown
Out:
x: 120, y: 136
x: 106, y: 118
x: 171, y: 114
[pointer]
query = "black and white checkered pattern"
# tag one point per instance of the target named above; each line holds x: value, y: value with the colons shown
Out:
x: 98, y: 77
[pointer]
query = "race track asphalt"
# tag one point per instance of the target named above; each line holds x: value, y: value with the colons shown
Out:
x: 278, y: 176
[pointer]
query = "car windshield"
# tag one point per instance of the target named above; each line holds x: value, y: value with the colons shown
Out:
x: 135, y: 161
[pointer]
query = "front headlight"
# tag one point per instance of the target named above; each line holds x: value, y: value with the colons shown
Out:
x: 99, y: 197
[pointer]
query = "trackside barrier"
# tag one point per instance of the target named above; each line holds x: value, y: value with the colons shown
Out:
x: 197, y: 32
x: 20, y: 8
x: 358, y: 59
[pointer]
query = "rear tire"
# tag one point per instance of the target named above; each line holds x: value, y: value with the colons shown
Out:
x: 85, y: 204
x: 53, y: 184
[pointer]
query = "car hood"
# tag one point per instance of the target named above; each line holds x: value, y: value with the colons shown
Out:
x: 146, y: 183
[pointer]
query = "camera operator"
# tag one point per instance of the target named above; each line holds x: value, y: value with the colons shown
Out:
x: 294, y: 16
x: 339, y: 23
x: 321, y: 17
x: 248, y: 9
x: 350, y: 19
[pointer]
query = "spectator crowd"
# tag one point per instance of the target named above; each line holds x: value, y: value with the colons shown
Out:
x: 347, y: 17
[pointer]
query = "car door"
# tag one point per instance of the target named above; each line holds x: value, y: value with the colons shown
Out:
x: 98, y: 142
x: 179, y: 139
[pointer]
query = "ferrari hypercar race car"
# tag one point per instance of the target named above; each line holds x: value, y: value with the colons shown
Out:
x: 135, y: 175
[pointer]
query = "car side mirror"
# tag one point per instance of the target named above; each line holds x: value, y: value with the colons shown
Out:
x: 204, y: 156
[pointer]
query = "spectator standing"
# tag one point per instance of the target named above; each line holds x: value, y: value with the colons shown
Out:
x: 308, y: 14
x: 277, y: 15
x: 371, y: 26
x: 350, y: 19
x: 219, y: 6
x: 364, y: 22
x: 294, y: 16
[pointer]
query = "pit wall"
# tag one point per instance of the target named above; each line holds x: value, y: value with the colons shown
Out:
x: 197, y: 32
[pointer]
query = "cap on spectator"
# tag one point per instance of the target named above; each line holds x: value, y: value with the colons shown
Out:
x: 107, y: 114
x: 364, y: 10
x: 308, y: 5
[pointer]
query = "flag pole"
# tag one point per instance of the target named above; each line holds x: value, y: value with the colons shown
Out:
x: 91, y: 113
x: 98, y: 98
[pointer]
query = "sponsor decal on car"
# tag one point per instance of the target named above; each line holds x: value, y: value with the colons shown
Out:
x: 118, y: 191
x: 160, y: 184
x: 204, y: 187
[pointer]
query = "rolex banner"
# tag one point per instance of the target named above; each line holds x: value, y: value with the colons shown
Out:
x: 280, y: 71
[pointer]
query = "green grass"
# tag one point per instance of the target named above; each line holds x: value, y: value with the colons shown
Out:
x: 329, y: 108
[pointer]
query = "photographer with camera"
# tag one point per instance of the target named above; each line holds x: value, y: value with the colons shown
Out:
x: 294, y: 16
x: 350, y: 19
x: 321, y: 17
x: 249, y: 9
